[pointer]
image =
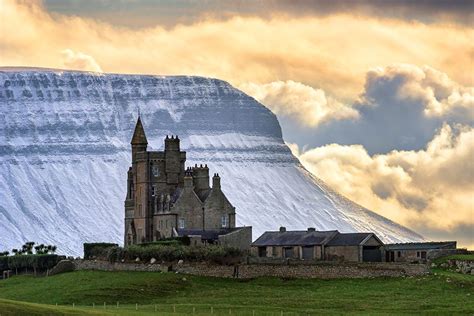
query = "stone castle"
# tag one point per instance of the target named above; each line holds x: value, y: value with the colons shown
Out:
x: 165, y: 199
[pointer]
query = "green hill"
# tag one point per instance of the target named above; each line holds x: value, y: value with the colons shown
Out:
x: 169, y: 293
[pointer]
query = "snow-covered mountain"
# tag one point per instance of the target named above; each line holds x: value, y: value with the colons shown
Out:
x: 64, y: 154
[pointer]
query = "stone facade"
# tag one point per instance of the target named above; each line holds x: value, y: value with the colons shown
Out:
x: 164, y: 197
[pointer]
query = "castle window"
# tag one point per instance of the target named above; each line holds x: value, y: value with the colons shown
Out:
x: 140, y: 212
x: 181, y: 223
x: 153, y: 190
x: 155, y: 170
x: 225, y: 220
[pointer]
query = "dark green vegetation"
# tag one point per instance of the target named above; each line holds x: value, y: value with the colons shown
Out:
x: 29, y: 256
x: 166, y: 250
x: 444, y: 292
x: 98, y: 249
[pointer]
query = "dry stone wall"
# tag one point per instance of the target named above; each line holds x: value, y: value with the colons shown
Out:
x: 246, y: 271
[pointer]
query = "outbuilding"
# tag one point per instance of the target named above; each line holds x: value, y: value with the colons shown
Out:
x: 318, y: 245
x: 416, y: 251
x: 358, y: 247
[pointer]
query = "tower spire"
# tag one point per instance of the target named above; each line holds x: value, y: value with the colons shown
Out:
x: 139, y: 137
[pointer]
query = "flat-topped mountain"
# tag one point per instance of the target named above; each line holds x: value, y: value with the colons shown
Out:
x: 65, y: 151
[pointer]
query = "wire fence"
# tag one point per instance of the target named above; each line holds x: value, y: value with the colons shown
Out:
x: 190, y: 309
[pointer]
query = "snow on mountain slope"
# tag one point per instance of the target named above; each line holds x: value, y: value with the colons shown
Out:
x: 64, y: 154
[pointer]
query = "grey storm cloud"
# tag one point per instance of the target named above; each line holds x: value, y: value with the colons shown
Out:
x: 402, y: 107
x: 146, y: 13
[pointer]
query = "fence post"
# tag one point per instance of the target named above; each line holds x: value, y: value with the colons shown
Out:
x: 155, y: 307
x: 117, y: 304
x: 105, y: 306
x: 136, y: 306
x: 194, y: 310
x: 93, y: 305
x: 73, y: 305
x: 174, y: 308
x: 212, y: 310
x: 253, y: 313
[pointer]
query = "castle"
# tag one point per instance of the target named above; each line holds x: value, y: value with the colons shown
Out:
x: 165, y: 199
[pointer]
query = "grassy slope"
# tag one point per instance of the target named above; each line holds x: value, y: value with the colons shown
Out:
x: 381, y: 295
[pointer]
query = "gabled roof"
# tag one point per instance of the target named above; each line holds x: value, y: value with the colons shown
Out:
x: 422, y: 245
x: 139, y: 137
x: 295, y: 238
x: 350, y: 239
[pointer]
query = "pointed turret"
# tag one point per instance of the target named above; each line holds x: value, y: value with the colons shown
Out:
x: 139, y: 141
x: 139, y: 137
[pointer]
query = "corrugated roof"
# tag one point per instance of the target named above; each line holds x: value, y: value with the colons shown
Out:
x: 294, y: 238
x: 348, y: 239
x: 422, y: 245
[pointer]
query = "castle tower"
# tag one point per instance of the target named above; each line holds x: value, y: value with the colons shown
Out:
x: 139, y: 141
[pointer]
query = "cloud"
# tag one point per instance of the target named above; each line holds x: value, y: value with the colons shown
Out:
x: 145, y: 13
x: 79, y: 61
x: 401, y: 108
x: 428, y: 190
x: 304, y: 103
x: 315, y: 50
x: 434, y: 90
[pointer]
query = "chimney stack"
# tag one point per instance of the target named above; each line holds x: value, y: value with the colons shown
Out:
x: 216, y: 181
x: 282, y: 229
x: 311, y: 229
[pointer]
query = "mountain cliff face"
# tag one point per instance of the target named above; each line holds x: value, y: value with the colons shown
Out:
x: 64, y: 154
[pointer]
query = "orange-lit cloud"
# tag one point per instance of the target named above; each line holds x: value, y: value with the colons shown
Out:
x: 79, y: 61
x: 306, y: 104
x: 331, y: 53
x: 426, y: 188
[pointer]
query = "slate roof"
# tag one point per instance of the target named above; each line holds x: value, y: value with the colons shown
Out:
x: 422, y: 245
x: 294, y: 238
x: 348, y: 239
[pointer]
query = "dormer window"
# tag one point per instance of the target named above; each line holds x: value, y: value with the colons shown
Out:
x: 225, y: 221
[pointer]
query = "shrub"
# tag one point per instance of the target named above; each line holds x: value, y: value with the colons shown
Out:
x: 173, y: 252
x: 3, y: 263
x: 97, y: 250
x: 41, y: 262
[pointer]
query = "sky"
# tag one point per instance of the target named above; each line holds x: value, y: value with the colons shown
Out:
x: 374, y: 97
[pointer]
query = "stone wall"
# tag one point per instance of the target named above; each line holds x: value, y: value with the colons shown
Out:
x: 118, y: 266
x: 241, y: 238
x: 322, y: 270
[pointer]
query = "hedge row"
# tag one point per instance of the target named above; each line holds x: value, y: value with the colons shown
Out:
x: 40, y: 262
x: 216, y: 254
x: 97, y: 250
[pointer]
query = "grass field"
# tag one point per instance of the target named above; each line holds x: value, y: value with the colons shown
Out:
x: 443, y: 292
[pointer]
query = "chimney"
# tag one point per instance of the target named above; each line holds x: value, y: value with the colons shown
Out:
x: 216, y: 181
x: 282, y: 229
x: 201, y: 177
x: 311, y: 229
x: 188, y: 180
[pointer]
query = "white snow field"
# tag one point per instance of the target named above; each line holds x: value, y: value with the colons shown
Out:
x: 64, y: 154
